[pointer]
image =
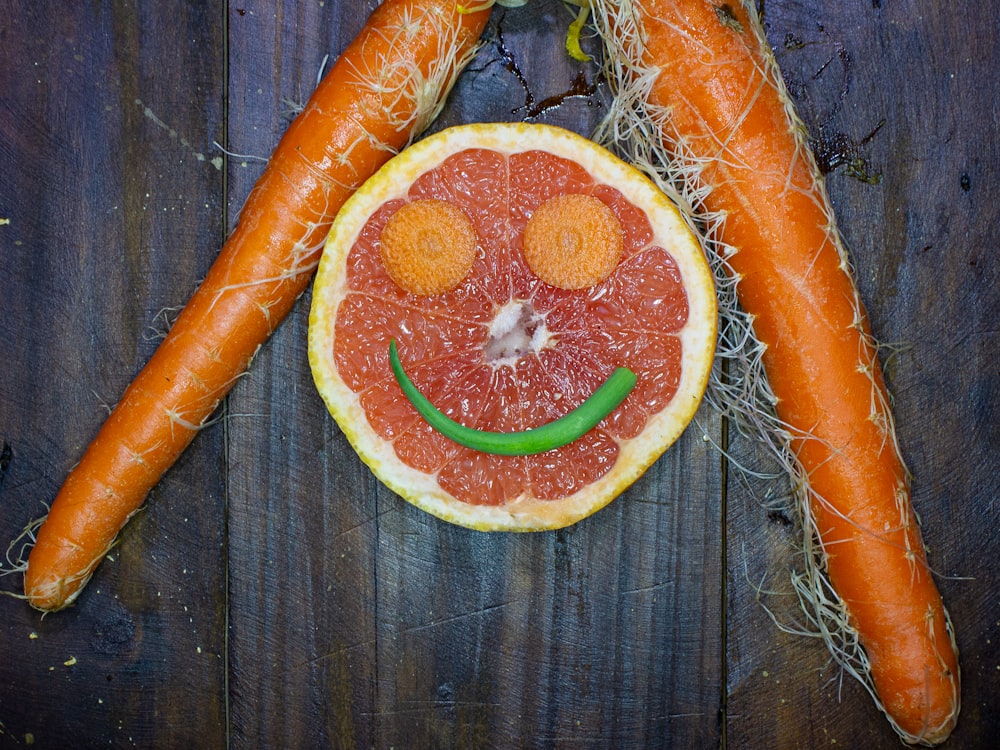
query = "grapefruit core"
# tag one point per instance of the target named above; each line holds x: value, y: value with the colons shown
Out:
x: 501, y: 350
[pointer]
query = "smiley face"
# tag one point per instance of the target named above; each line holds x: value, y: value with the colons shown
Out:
x: 515, y: 280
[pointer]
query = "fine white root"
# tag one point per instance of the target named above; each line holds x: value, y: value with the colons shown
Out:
x: 16, y: 559
x: 236, y: 155
x: 161, y: 323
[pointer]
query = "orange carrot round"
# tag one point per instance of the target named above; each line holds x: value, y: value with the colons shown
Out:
x: 707, y: 77
x: 383, y: 90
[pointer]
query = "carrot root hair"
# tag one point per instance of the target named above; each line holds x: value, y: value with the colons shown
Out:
x: 16, y: 558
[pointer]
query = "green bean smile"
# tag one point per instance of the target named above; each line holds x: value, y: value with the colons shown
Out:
x: 555, y: 434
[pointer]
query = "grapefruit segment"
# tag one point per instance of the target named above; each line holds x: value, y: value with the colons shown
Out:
x: 503, y: 350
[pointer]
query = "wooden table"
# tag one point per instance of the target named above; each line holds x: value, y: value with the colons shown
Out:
x: 273, y: 595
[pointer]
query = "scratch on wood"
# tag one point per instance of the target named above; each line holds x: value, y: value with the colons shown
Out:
x: 462, y: 616
x: 647, y: 589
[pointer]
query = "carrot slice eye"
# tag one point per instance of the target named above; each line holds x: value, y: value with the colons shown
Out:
x: 428, y: 246
x: 573, y: 241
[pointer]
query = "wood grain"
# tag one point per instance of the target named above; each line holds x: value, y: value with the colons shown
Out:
x: 273, y: 594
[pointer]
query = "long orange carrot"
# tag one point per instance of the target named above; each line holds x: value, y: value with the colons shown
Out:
x: 703, y: 72
x: 383, y: 89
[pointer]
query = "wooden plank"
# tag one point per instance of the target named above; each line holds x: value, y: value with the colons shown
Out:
x: 107, y: 118
x: 918, y: 240
x: 288, y: 586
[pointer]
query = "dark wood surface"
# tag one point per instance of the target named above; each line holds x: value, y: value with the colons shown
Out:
x: 273, y: 595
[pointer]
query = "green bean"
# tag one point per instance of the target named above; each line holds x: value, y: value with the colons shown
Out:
x: 555, y: 434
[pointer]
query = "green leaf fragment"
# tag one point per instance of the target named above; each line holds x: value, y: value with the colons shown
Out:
x: 573, y: 36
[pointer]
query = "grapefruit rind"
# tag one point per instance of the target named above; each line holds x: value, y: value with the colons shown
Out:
x: 636, y: 454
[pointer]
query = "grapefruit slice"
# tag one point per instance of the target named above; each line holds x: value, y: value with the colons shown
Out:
x: 492, y: 345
